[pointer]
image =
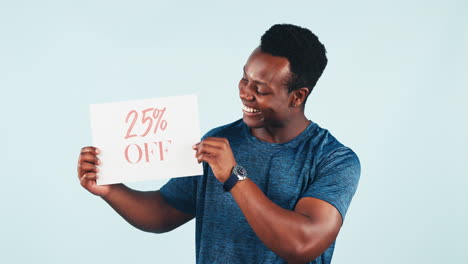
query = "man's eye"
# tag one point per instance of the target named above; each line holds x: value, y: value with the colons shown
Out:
x: 244, y: 79
x: 260, y: 93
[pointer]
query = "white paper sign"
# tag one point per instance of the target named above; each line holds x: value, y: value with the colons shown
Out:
x: 146, y: 139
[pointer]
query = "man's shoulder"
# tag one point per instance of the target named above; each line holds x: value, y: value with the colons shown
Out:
x: 226, y: 130
x: 323, y: 137
x: 328, y: 145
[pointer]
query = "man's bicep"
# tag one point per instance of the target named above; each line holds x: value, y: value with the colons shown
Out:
x: 323, y: 216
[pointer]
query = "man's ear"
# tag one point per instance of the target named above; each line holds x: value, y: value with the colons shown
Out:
x: 299, y: 96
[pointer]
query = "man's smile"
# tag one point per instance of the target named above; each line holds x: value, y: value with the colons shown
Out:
x: 249, y: 109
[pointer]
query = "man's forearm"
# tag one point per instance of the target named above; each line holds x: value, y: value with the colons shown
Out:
x: 146, y: 211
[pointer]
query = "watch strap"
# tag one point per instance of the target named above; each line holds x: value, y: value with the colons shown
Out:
x: 233, y: 179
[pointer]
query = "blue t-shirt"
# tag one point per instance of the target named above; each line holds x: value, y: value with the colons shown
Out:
x: 314, y: 164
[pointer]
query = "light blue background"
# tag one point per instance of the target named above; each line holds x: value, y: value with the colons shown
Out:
x: 395, y: 90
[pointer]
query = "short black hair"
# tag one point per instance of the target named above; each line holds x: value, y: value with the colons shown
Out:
x: 305, y: 53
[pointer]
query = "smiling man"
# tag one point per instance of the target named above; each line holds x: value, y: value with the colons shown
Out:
x: 276, y: 186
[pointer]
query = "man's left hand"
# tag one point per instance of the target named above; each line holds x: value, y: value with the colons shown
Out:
x: 218, y: 154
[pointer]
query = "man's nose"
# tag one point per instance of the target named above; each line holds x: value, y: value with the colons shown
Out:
x: 245, y: 92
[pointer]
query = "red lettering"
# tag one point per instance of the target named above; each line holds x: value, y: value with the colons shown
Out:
x: 147, y: 152
x: 134, y: 153
x: 152, y: 119
x: 127, y: 156
x: 162, y: 149
x: 129, y: 131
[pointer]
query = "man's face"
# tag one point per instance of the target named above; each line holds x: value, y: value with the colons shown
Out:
x: 263, y: 91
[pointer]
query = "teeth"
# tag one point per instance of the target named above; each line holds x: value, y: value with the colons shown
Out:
x: 250, y: 110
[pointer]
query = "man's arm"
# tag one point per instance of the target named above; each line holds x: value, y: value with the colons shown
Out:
x: 297, y: 236
x: 147, y: 211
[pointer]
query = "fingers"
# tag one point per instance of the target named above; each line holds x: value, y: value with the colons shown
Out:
x: 214, y: 140
x: 210, y: 148
x: 217, y: 140
x: 90, y: 176
x: 91, y: 158
x: 88, y: 161
x: 88, y: 167
x: 90, y: 149
x: 220, y: 143
x: 87, y: 171
x: 206, y: 158
x: 206, y: 149
x: 218, y: 154
x: 88, y: 154
x: 88, y: 179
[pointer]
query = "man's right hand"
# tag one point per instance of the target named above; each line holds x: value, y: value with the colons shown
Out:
x: 87, y: 171
x: 147, y: 211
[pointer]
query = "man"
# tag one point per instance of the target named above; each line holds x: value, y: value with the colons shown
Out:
x: 275, y: 187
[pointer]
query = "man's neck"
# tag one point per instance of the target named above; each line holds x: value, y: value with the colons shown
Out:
x: 281, y: 134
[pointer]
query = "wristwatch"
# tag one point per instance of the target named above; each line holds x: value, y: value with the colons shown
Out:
x: 238, y: 173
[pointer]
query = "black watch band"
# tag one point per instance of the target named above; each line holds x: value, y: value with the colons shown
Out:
x: 233, y: 179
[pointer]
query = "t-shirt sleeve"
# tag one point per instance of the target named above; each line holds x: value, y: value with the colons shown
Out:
x: 181, y: 193
x: 336, y: 179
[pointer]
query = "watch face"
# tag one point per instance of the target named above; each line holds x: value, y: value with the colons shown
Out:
x: 240, y: 171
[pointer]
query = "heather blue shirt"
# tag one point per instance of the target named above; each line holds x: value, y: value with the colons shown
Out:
x: 314, y: 164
